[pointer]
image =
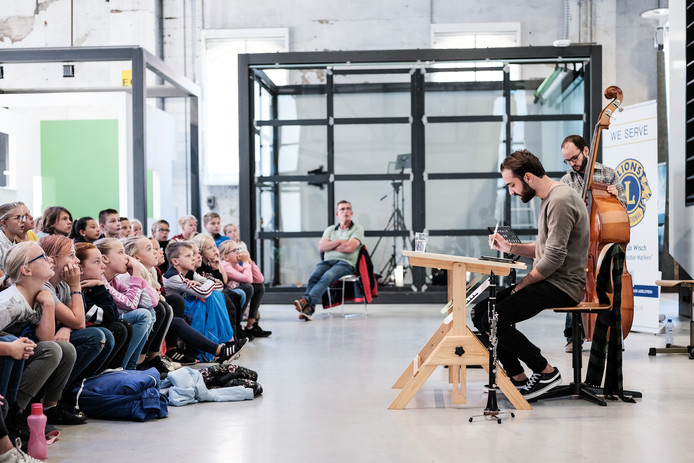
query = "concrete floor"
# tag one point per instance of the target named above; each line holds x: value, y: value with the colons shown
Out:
x: 328, y: 385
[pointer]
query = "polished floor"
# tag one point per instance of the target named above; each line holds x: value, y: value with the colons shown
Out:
x: 328, y: 385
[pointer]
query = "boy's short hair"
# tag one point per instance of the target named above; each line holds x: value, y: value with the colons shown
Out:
x: 157, y: 225
x: 174, y: 248
x: 105, y: 213
x: 209, y: 216
x: 182, y: 220
x: 123, y: 219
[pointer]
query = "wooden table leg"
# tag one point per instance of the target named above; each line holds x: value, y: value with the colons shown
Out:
x: 412, y: 386
x: 423, y: 355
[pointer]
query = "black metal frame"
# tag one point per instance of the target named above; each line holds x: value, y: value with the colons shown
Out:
x: 417, y: 63
x: 141, y: 61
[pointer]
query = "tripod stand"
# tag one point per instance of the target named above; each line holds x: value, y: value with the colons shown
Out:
x: 492, y: 411
x: 396, y: 222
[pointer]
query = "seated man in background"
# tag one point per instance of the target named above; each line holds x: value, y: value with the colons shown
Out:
x: 340, y: 244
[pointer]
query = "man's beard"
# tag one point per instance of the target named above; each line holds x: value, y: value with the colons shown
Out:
x: 527, y: 194
x: 582, y: 168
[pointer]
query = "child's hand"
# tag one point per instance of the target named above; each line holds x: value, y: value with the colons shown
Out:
x: 91, y: 283
x: 63, y: 334
x: 21, y: 348
x: 133, y: 267
x: 191, y: 283
x: 45, y: 298
x: 245, y: 257
x: 71, y: 275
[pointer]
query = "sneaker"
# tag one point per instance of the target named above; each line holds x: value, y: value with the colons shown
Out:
x: 61, y: 414
x: 300, y: 304
x: 306, y: 314
x: 258, y: 332
x: 178, y: 355
x: 230, y: 350
x: 246, y: 334
x: 569, y: 348
x: 170, y: 364
x: 519, y: 384
x: 539, y: 383
x: 17, y: 455
x: 17, y: 426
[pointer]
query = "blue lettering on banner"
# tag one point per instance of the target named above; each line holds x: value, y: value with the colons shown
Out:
x: 646, y: 291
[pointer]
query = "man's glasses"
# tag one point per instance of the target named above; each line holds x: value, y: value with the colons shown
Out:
x: 42, y: 256
x: 572, y: 160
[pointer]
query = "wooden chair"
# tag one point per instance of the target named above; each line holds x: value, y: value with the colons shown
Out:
x: 685, y: 285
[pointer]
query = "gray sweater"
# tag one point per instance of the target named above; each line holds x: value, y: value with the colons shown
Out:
x: 563, y: 234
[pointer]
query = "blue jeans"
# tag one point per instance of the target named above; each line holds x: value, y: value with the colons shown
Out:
x: 325, y: 273
x: 89, y: 343
x: 99, y: 363
x: 142, y: 321
x: 10, y: 374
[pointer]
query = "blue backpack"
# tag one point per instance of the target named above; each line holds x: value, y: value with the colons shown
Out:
x: 121, y: 395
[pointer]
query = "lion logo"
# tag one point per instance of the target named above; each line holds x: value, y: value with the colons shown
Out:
x: 633, y: 176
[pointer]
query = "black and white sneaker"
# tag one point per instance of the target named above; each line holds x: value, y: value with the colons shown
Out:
x: 539, y: 383
x: 230, y: 350
x: 178, y: 355
x: 519, y: 384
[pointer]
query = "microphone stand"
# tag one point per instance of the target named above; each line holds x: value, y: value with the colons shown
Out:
x: 492, y: 411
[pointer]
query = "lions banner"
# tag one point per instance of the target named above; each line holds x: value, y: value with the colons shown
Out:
x: 630, y: 146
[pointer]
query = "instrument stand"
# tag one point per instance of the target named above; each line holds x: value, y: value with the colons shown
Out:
x: 396, y: 222
x: 492, y: 411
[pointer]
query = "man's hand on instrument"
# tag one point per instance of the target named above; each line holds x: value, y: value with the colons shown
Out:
x: 498, y: 242
x: 612, y: 189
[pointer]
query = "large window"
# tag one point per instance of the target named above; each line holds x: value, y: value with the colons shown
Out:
x: 411, y: 145
x: 220, y: 140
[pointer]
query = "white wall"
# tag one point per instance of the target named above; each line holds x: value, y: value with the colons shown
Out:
x: 24, y: 159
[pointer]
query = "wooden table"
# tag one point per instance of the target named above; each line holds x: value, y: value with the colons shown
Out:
x: 441, y: 348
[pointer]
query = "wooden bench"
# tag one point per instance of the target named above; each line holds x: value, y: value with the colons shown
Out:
x: 685, y: 287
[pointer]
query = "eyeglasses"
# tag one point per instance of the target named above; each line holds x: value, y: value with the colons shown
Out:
x: 238, y: 250
x: 163, y: 230
x: 42, y: 256
x: 19, y: 218
x: 572, y: 160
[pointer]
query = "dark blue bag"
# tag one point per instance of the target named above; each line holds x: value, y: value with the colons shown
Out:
x: 122, y: 395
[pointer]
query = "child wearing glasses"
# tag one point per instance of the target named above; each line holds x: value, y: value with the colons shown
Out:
x: 27, y: 309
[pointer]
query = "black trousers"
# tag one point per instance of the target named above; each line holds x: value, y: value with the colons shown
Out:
x: 513, y: 346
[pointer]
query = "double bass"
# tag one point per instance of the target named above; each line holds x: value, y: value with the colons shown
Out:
x: 609, y: 223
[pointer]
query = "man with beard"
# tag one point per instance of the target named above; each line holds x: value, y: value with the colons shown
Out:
x: 556, y: 280
x: 574, y: 150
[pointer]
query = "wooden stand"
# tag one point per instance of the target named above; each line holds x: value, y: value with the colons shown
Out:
x: 454, y: 344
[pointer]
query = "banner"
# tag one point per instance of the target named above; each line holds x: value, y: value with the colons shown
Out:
x: 630, y: 146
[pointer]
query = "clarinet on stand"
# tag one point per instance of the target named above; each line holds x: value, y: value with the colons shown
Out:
x: 492, y: 411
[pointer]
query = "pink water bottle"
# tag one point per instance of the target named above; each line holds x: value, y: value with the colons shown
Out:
x: 37, y: 439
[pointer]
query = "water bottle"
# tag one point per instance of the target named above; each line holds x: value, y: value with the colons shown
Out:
x: 669, y: 332
x: 37, y: 439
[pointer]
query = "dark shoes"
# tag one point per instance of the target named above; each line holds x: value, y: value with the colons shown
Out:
x: 156, y: 362
x: 258, y: 332
x: 62, y: 414
x: 519, y: 384
x: 539, y: 383
x: 179, y: 355
x: 230, y: 350
x: 305, y: 310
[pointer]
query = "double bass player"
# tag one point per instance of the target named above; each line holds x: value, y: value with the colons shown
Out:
x: 575, y: 152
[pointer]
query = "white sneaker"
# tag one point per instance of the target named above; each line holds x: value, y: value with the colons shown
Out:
x: 16, y: 455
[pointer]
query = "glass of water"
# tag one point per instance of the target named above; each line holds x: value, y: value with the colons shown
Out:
x: 420, y: 241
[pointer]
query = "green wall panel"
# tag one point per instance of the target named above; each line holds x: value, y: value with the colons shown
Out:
x: 79, y: 165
